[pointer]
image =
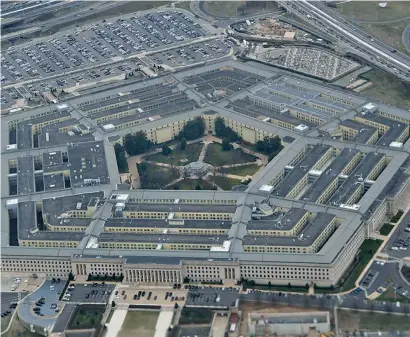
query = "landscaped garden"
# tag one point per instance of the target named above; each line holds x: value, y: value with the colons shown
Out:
x: 191, y: 162
x: 86, y: 318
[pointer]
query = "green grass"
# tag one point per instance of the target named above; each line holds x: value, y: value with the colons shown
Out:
x: 386, y: 88
x: 396, y: 217
x: 183, y: 5
x: 367, y: 251
x: 225, y: 183
x: 139, y: 323
x: 17, y: 329
x: 243, y: 171
x: 351, y: 320
x: 191, y: 154
x: 386, y: 229
x: 388, y: 295
x: 189, y: 184
x: 230, y: 8
x: 217, y: 157
x: 86, y: 318
x: 195, y: 316
x: 5, y: 322
x: 156, y: 177
x: 370, y: 11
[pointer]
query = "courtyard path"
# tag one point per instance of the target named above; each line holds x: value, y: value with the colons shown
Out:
x: 117, y: 319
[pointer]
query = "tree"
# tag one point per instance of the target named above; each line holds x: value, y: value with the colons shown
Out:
x: 113, y: 304
x: 137, y: 144
x: 121, y: 158
x: 92, y: 321
x: 182, y: 144
x: 225, y: 131
x: 70, y: 276
x: 253, y: 283
x: 269, y: 284
x: 176, y: 306
x: 198, y: 187
x: 90, y: 277
x: 166, y: 150
x: 226, y: 145
x: 270, y: 146
x: 186, y: 279
x: 307, y: 285
x: 193, y: 129
x: 289, y: 285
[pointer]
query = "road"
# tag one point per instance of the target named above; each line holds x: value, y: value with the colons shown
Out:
x: 352, y: 38
x: 8, y: 297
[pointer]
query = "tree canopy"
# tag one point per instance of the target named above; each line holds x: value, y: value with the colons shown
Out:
x: 193, y: 129
x: 226, y: 144
x: 121, y: 158
x: 166, y: 150
x: 223, y: 131
x: 270, y: 146
x: 137, y: 144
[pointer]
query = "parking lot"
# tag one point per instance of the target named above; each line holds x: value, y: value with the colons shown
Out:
x: 158, y: 296
x: 399, y: 241
x: 101, y: 42
x: 194, y: 53
x: 89, y: 293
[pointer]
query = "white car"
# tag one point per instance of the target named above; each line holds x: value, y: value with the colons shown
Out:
x: 403, y: 248
x: 395, y: 248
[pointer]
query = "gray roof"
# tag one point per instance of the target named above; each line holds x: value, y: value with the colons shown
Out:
x: 300, y: 170
x: 365, y: 132
x: 162, y: 223
x: 279, y: 222
x: 180, y: 207
x: 350, y: 185
x: 332, y: 172
x: 25, y: 175
x: 163, y: 238
x: 307, y: 236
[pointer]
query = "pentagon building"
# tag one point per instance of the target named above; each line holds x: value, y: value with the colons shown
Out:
x: 343, y: 169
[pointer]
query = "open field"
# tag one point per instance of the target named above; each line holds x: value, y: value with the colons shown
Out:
x: 217, y: 157
x: 5, y: 322
x: 386, y: 24
x: 179, y: 157
x: 391, y: 296
x: 232, y: 8
x: 18, y: 330
x: 225, y: 183
x: 387, y: 88
x: 351, y: 320
x: 190, y: 184
x: 139, y: 323
x: 244, y: 170
x: 370, y: 11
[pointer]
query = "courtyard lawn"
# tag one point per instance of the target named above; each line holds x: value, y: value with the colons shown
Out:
x: 244, y: 170
x: 217, y: 157
x: 156, y: 177
x: 139, y: 323
x: 225, y: 183
x: 386, y: 229
x: 190, y: 184
x: 195, y: 316
x: 179, y: 157
x: 86, y: 319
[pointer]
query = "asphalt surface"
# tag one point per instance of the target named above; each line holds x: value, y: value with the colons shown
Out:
x: 399, y: 234
x: 8, y: 297
x: 79, y: 293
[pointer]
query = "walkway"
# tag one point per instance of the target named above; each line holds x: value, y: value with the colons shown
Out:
x: 117, y: 319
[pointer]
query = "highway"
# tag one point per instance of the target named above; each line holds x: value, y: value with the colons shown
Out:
x: 373, y: 51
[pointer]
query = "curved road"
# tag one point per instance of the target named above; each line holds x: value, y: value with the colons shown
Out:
x: 406, y: 38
